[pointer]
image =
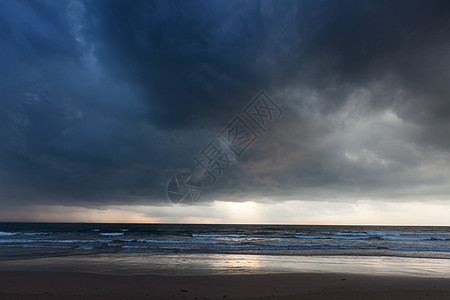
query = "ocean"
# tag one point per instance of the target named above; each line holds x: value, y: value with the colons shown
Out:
x: 224, y: 249
x: 287, y: 240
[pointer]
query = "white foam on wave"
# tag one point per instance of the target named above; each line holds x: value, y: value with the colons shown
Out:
x: 15, y: 241
x: 35, y: 233
x: 74, y: 241
x: 111, y: 233
x: 206, y: 242
x: 399, y: 238
x: 312, y: 237
x: 330, y: 237
x: 385, y: 233
x: 85, y: 248
x: 2, y: 233
x: 353, y: 233
x: 35, y: 241
x: 160, y: 241
x: 220, y: 235
x: 425, y: 233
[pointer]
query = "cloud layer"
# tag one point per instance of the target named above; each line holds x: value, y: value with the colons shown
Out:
x: 102, y: 102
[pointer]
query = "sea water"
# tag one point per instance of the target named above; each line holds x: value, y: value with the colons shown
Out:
x: 201, y: 248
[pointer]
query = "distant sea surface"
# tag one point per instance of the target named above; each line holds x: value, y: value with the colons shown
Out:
x: 286, y: 240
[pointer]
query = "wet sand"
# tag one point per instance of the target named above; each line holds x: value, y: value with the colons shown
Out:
x: 71, y: 285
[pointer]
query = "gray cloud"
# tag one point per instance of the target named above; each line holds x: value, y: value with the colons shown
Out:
x: 103, y: 101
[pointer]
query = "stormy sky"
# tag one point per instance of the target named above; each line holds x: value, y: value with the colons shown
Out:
x: 103, y: 102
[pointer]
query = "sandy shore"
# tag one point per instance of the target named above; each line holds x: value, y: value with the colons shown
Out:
x: 67, y: 285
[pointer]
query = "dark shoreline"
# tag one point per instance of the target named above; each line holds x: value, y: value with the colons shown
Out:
x: 73, y: 285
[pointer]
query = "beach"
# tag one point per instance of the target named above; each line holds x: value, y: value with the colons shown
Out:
x: 124, y: 261
x: 69, y: 285
x: 222, y: 276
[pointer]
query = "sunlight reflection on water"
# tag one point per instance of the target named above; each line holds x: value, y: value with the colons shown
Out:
x: 234, y: 264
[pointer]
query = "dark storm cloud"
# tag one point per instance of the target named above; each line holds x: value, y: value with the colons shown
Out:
x: 102, y: 101
x: 193, y: 60
x: 348, y: 44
